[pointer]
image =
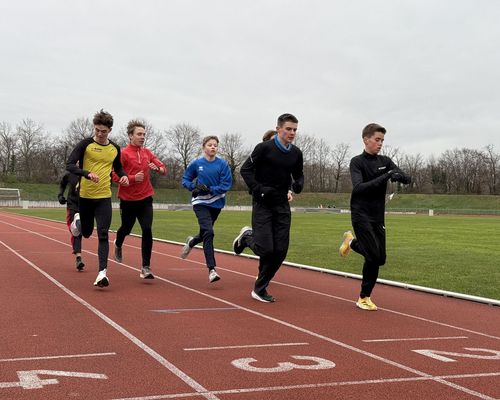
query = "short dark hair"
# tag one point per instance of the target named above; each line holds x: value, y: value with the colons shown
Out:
x: 370, y: 130
x: 135, y: 123
x: 268, y: 135
x: 211, y: 137
x: 287, y: 118
x: 103, y: 118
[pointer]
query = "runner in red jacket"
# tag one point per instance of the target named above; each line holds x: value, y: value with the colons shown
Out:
x: 136, y: 199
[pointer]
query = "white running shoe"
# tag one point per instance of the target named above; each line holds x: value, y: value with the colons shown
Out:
x: 146, y: 273
x: 101, y: 280
x: 187, y: 248
x: 76, y: 225
x: 213, y: 276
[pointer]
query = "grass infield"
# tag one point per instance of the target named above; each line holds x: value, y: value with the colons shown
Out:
x: 454, y: 253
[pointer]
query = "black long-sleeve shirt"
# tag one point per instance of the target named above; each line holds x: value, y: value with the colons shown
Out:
x: 270, y: 167
x: 369, y: 176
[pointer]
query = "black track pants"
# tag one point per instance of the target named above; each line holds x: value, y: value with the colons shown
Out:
x: 370, y: 243
x: 142, y: 210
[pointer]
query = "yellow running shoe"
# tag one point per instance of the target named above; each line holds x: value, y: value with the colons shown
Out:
x: 366, y: 303
x: 345, y: 248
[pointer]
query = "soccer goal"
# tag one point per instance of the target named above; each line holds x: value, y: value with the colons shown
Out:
x: 10, y: 197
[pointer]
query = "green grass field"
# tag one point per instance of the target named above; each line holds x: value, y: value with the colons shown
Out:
x: 454, y: 253
x: 456, y: 204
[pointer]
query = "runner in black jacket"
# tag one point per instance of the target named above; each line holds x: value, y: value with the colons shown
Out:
x: 268, y: 173
x: 369, y: 174
x: 72, y: 182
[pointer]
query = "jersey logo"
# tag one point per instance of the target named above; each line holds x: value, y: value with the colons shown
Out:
x: 381, y: 168
x: 200, y: 168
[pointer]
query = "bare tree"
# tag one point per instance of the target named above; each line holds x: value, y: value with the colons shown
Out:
x: 414, y: 166
x: 77, y: 130
x: 232, y: 150
x: 31, y: 139
x: 185, y: 141
x: 492, y: 161
x: 320, y: 167
x: 8, y: 147
x: 340, y: 163
x: 393, y: 153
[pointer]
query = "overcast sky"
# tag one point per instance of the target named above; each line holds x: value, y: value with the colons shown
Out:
x: 428, y: 70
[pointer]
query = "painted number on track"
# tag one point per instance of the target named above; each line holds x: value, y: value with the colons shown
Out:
x: 441, y: 355
x: 31, y: 379
x: 317, y: 363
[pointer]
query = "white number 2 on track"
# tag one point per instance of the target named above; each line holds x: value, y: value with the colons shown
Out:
x: 318, y: 363
x: 440, y: 355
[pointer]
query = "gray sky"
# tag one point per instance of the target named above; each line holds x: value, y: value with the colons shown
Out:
x: 428, y: 70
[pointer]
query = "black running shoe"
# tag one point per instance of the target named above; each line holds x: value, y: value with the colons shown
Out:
x: 238, y: 243
x: 118, y: 253
x: 79, y: 263
x: 264, y: 297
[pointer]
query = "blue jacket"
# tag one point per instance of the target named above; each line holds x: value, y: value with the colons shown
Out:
x: 214, y: 174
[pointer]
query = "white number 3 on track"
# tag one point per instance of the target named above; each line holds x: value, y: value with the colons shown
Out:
x: 318, y: 363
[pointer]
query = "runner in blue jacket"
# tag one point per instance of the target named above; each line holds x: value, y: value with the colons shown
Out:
x: 208, y: 178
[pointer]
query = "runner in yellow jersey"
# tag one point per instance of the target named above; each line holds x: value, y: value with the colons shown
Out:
x: 96, y: 157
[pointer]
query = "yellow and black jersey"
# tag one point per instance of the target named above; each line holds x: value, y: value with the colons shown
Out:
x: 99, y: 159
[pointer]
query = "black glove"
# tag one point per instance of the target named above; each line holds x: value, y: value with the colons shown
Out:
x: 200, y: 189
x: 297, y: 187
x: 61, y: 198
x: 399, y: 176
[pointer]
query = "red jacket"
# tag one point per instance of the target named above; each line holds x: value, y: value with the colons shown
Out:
x: 136, y: 159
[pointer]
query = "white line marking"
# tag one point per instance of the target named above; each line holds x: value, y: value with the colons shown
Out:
x: 315, y: 386
x: 57, y: 357
x: 278, y: 321
x: 148, y: 350
x: 248, y: 346
x: 415, y: 339
x: 179, y: 310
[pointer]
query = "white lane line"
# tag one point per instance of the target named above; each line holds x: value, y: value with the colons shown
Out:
x: 57, y: 357
x: 291, y: 326
x: 248, y: 346
x: 414, y: 339
x: 316, y: 386
x: 148, y: 350
x: 179, y: 310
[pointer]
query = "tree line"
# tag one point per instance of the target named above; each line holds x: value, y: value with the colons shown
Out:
x: 28, y: 153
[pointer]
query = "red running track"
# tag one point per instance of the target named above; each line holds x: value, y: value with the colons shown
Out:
x: 179, y: 337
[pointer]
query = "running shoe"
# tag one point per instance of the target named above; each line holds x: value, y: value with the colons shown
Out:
x: 76, y: 226
x: 118, y: 253
x: 187, y: 248
x: 365, y: 303
x: 79, y: 263
x: 265, y: 297
x: 345, y: 248
x: 238, y: 243
x: 101, y: 280
x: 146, y: 273
x: 213, y: 276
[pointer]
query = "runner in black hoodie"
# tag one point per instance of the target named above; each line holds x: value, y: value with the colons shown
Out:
x: 268, y: 173
x: 369, y: 174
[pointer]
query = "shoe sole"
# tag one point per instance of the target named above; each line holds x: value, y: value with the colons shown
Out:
x: 148, y: 276
x: 186, y: 249
x: 366, y: 308
x: 217, y: 278
x: 80, y: 267
x: 102, y: 283
x: 258, y: 298
x: 238, y: 238
x: 345, y: 248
